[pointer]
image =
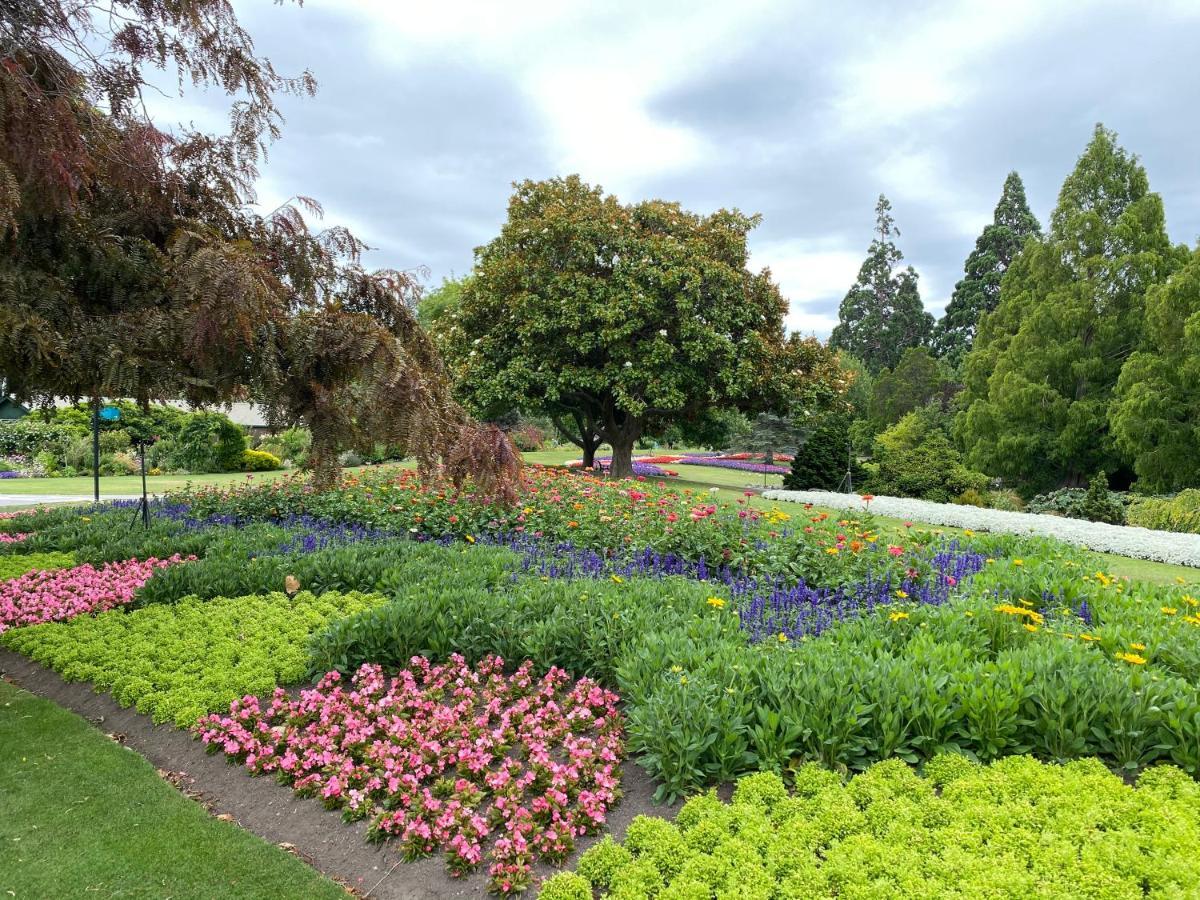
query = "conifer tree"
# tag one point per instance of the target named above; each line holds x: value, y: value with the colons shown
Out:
x: 979, y: 290
x: 1040, y: 378
x: 881, y: 315
x: 1156, y: 416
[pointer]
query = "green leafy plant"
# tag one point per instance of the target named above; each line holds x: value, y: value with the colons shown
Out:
x: 831, y: 838
x: 175, y: 663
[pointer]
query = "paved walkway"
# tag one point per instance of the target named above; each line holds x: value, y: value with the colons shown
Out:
x: 42, y: 499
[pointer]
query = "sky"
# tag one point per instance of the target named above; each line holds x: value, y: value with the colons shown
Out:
x: 803, y: 112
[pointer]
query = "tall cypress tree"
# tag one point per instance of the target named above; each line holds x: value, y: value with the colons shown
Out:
x: 1041, y: 375
x: 882, y: 315
x: 979, y: 290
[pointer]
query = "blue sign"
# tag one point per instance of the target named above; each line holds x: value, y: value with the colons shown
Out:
x: 110, y: 413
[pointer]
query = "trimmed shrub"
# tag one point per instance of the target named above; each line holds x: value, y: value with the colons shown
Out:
x: 260, y: 461
x: 209, y: 442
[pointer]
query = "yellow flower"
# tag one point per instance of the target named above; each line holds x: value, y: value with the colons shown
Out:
x: 1132, y: 658
x: 527, y: 510
x: 1138, y: 646
x: 897, y: 616
x: 1030, y: 628
x: 969, y: 614
x: 676, y: 669
x: 683, y: 679
x: 989, y: 561
x: 715, y: 602
x: 782, y: 638
x: 1169, y: 610
x: 1179, y: 579
x: 1089, y: 637
x: 902, y: 595
x: 470, y: 539
x: 832, y: 551
x: 967, y: 532
x: 1018, y: 562
x: 617, y: 579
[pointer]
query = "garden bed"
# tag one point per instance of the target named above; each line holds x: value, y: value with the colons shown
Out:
x: 274, y: 812
x: 1126, y: 540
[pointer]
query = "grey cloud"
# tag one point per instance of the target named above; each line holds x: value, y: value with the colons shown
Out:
x: 423, y: 152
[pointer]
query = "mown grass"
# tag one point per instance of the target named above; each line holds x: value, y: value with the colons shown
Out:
x: 80, y: 816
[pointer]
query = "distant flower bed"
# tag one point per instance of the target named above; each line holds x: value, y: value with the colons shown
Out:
x: 729, y: 462
x: 54, y: 596
x: 12, y: 538
x: 1142, y: 543
x: 445, y: 757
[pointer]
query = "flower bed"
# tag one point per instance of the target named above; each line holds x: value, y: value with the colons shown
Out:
x: 1141, y: 543
x: 181, y: 661
x: 13, y: 538
x: 57, y: 595
x: 725, y: 462
x: 445, y: 758
x: 1017, y: 828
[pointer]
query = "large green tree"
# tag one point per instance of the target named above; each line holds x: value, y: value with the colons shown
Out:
x: 917, y: 379
x: 620, y: 318
x: 881, y: 315
x: 1156, y: 415
x: 1041, y: 375
x: 979, y: 290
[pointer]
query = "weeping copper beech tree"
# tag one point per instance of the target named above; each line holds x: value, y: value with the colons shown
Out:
x: 132, y: 266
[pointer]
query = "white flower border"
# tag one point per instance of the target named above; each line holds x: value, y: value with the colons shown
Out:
x: 1126, y: 540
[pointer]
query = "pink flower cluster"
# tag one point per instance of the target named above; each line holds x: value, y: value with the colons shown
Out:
x: 12, y: 538
x: 66, y: 593
x: 445, y: 757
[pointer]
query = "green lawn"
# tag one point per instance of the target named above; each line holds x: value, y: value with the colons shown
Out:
x: 80, y: 816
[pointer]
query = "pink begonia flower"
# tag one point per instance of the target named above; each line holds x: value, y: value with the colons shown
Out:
x: 445, y: 758
x: 62, y: 594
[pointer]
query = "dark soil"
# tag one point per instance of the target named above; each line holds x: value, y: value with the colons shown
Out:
x: 272, y: 811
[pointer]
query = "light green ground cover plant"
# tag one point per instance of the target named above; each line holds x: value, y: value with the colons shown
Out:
x: 177, y: 662
x: 1017, y: 828
x: 82, y: 816
x: 13, y: 565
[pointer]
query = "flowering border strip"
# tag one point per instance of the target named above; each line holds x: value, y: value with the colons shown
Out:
x: 443, y: 757
x: 61, y: 594
x: 722, y: 462
x: 1126, y: 540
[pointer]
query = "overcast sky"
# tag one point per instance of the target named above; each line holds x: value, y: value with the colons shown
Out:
x: 804, y: 112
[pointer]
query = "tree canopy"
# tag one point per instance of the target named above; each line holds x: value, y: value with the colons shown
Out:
x: 918, y: 379
x: 979, y: 290
x: 623, y: 318
x: 881, y: 315
x: 1155, y: 417
x: 1041, y: 376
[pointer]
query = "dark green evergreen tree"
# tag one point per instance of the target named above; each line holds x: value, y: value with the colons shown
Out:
x: 820, y: 462
x: 881, y: 315
x: 918, y: 379
x: 1040, y: 379
x: 979, y: 290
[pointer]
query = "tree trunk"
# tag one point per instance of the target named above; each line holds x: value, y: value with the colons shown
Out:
x: 584, y: 437
x: 589, y: 443
x: 622, y: 456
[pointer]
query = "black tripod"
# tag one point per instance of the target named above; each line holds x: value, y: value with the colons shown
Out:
x: 848, y: 478
x: 143, y: 507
